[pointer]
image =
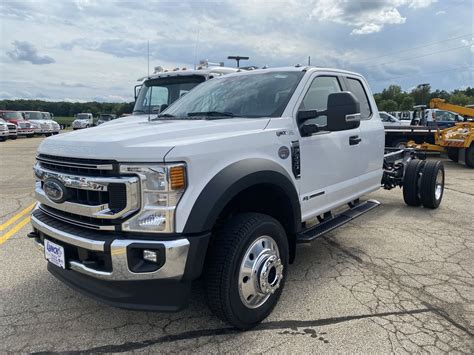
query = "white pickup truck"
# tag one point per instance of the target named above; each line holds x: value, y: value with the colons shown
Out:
x: 223, y: 184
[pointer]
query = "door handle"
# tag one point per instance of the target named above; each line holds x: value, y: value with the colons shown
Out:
x: 353, y: 140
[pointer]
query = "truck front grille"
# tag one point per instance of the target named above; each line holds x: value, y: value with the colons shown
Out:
x: 95, y: 195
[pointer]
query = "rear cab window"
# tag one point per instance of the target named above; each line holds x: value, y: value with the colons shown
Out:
x: 357, y: 88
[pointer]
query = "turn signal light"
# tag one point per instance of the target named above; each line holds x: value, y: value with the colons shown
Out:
x: 177, y: 177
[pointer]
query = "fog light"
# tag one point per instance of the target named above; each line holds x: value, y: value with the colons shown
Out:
x: 150, y: 255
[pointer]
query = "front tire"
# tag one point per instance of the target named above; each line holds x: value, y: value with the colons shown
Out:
x: 469, y: 157
x: 400, y: 144
x: 432, y: 184
x: 246, y: 268
x: 453, y: 154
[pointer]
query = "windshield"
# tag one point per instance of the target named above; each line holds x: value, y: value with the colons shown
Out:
x: 263, y: 94
x: 13, y: 115
x: 163, y: 91
x: 46, y: 115
x: 34, y: 115
x: 82, y: 116
x: 105, y: 117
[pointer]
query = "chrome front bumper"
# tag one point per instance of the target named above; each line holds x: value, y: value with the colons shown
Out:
x: 176, y: 254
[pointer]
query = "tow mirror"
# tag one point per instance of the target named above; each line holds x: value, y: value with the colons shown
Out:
x: 343, y: 111
x: 137, y: 90
x: 303, y: 116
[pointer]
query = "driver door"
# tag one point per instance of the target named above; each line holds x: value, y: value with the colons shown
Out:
x: 329, y: 160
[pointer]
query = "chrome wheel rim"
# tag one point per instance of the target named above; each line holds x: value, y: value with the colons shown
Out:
x: 439, y: 184
x: 261, y: 272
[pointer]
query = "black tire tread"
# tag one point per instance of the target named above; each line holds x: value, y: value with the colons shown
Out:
x: 410, y: 183
x: 469, y: 156
x: 453, y: 154
x: 428, y: 182
x: 219, y: 263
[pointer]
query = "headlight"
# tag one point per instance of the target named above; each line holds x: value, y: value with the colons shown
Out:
x: 34, y: 125
x: 162, y: 186
x: 3, y: 128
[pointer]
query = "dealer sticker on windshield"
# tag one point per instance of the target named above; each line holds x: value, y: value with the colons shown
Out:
x: 54, y: 253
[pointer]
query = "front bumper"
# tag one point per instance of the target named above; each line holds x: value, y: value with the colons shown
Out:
x: 25, y: 131
x: 99, y: 264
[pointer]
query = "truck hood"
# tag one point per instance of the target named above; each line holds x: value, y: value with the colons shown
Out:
x: 145, y: 141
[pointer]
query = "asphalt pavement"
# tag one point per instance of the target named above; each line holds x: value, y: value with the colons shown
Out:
x: 396, y: 280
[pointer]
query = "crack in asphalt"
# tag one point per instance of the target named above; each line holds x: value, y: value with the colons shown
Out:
x: 193, y: 334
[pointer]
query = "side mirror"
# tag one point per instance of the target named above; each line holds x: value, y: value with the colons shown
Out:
x: 137, y: 91
x: 303, y: 116
x: 343, y: 111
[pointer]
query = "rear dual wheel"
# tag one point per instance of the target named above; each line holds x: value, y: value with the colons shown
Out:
x: 423, y: 183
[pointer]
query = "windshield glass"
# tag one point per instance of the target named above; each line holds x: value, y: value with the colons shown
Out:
x: 13, y: 115
x: 82, y: 116
x: 34, y: 116
x: 105, y: 117
x: 46, y: 115
x: 263, y: 94
x: 163, y: 91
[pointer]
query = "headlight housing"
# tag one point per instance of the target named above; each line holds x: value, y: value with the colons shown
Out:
x: 34, y: 125
x: 162, y: 186
x: 3, y: 128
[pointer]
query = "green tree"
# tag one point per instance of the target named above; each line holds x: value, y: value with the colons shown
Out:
x: 388, y: 105
x: 421, y: 94
x: 460, y: 98
x: 407, y: 103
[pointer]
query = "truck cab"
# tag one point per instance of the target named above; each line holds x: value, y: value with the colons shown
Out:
x: 163, y: 87
x: 82, y: 120
x: 24, y: 127
x: 222, y: 184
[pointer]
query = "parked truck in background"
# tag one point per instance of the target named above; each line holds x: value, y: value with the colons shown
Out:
x: 23, y: 126
x: 40, y: 124
x: 159, y: 90
x: 7, y: 130
x: 221, y: 185
x: 83, y: 120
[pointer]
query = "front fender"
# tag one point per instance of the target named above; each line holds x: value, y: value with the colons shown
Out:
x: 232, y: 180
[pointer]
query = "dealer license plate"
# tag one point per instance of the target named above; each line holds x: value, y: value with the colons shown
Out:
x: 54, y: 253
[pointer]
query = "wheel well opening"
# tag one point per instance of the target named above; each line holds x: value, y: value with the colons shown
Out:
x: 266, y: 199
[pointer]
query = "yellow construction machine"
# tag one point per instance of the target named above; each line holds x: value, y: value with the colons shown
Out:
x: 456, y: 141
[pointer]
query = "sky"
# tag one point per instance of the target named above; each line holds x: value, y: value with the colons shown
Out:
x: 88, y: 50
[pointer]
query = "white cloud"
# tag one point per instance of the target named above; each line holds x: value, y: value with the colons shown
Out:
x: 365, y: 17
x: 441, y: 12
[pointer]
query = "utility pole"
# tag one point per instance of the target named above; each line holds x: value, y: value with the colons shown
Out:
x: 238, y: 58
x: 422, y: 88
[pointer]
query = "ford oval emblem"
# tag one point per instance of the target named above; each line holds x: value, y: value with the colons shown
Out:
x: 283, y: 152
x: 55, y: 190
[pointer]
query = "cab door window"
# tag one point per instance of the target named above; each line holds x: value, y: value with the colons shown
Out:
x: 355, y: 86
x: 316, y: 98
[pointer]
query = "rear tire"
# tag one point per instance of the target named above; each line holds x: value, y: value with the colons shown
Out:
x: 411, y: 193
x: 469, y: 158
x: 14, y: 137
x: 400, y: 144
x: 250, y: 244
x: 453, y: 154
x: 432, y: 184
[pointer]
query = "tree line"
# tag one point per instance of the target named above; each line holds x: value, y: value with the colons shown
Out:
x: 390, y: 99
x: 67, y: 109
x: 394, y: 98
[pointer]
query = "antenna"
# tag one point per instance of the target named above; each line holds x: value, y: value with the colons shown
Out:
x: 309, y: 60
x: 238, y: 58
x: 196, y: 45
x: 148, y: 58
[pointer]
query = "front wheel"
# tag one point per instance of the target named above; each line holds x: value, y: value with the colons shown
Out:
x: 246, y: 269
x: 453, y: 154
x: 469, y: 158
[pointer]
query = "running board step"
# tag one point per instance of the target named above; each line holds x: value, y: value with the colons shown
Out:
x: 326, y: 226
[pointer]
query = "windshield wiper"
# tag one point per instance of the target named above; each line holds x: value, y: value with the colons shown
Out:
x: 138, y: 111
x: 165, y: 115
x: 211, y: 114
